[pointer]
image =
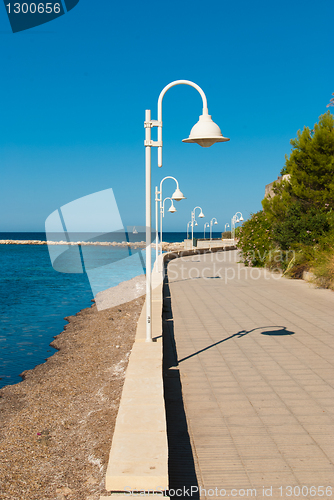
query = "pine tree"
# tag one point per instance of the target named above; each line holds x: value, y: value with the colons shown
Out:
x: 311, y: 165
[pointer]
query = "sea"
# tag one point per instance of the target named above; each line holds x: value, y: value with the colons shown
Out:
x: 35, y: 298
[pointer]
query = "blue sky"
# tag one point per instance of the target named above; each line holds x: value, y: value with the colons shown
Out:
x: 75, y: 90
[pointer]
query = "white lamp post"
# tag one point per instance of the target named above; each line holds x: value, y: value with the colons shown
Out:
x: 177, y: 195
x: 226, y: 225
x: 201, y: 215
x: 211, y: 222
x: 205, y: 133
x: 189, y: 224
x: 206, y: 225
x: 171, y: 209
x: 235, y: 219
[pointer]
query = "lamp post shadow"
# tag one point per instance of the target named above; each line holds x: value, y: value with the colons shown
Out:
x: 282, y: 330
x: 181, y: 465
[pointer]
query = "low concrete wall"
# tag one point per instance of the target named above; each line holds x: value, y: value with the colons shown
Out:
x: 213, y: 243
x: 187, y: 244
x: 138, y: 457
x: 221, y: 244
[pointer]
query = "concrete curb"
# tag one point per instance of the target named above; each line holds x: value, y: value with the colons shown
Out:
x: 138, y: 457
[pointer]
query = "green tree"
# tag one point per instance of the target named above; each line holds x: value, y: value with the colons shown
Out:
x: 300, y: 215
x: 311, y: 165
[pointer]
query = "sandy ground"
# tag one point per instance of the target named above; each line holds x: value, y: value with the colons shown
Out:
x: 126, y: 291
x: 56, y: 426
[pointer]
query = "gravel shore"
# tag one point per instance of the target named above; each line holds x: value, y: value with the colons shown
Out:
x: 57, y: 424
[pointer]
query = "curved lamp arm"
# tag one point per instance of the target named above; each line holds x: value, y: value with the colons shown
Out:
x: 163, y: 205
x: 181, y: 82
x: 168, y: 177
x: 200, y: 208
x: 213, y: 218
x: 161, y: 96
x: 193, y: 212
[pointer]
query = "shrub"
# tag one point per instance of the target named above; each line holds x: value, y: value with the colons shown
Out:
x: 255, y: 240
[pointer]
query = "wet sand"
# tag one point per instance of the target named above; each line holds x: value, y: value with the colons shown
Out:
x: 57, y: 424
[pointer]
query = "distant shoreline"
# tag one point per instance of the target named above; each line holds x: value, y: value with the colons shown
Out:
x: 90, y: 243
x: 134, y: 244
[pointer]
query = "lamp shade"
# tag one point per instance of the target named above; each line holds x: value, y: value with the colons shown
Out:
x: 178, y: 195
x: 172, y: 209
x: 216, y: 222
x: 201, y: 215
x: 206, y: 132
x: 241, y: 219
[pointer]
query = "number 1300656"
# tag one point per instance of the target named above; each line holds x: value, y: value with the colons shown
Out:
x: 33, y: 8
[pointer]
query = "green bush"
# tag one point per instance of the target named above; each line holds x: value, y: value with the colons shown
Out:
x: 255, y: 240
x: 300, y: 227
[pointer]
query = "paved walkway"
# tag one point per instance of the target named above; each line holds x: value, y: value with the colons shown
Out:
x: 256, y: 356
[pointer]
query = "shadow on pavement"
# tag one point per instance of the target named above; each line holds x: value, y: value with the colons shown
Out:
x: 280, y: 332
x: 181, y: 466
x: 283, y: 331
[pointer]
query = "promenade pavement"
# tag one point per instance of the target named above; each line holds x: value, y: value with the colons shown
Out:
x: 255, y: 354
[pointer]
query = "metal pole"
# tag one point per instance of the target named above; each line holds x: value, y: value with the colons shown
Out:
x: 192, y: 229
x: 148, y: 225
x: 161, y: 212
x: 210, y: 230
x: 156, y: 227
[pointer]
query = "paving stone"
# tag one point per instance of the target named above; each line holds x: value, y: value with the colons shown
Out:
x: 256, y: 360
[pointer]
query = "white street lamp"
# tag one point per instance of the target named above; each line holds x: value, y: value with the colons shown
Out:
x: 177, y: 196
x: 189, y: 224
x: 211, y: 223
x: 235, y: 219
x: 171, y: 209
x: 205, y: 226
x: 205, y: 133
x: 226, y: 225
x: 201, y: 215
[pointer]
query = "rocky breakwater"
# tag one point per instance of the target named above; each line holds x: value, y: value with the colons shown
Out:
x: 166, y: 247
x: 83, y: 243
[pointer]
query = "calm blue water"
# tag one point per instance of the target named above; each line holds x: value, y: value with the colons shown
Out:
x: 34, y: 299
